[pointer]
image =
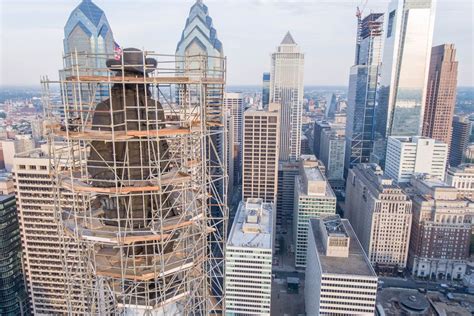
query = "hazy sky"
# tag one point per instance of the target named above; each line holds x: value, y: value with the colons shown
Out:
x: 31, y: 34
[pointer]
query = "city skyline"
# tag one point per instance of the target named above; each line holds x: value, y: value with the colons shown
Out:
x: 304, y: 21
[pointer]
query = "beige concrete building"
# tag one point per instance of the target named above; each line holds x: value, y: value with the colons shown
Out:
x: 462, y: 178
x: 260, y: 153
x: 380, y: 213
x: 6, y: 184
x: 41, y: 242
x: 441, y: 229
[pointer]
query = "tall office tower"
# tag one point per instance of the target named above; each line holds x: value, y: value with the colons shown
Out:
x: 401, y: 97
x: 231, y: 154
x: 286, y: 88
x: 235, y: 103
x: 363, y: 82
x: 332, y: 152
x: 407, y: 156
x: 199, y: 38
x: 13, y: 295
x: 331, y: 109
x: 339, y: 277
x: 313, y: 199
x: 462, y: 178
x: 319, y: 127
x: 459, y: 140
x: 87, y: 33
x: 143, y: 211
x: 266, y: 89
x: 260, y: 153
x: 380, y: 213
x: 441, y: 93
x: 441, y: 230
x: 248, y: 272
x: 45, y: 268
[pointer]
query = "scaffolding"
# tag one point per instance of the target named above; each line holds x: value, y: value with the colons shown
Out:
x: 137, y: 149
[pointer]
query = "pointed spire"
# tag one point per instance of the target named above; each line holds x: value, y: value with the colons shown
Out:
x: 288, y: 39
x: 199, y: 1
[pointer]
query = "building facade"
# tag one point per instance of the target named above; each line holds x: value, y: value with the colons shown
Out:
x: 260, y: 153
x: 339, y: 277
x: 248, y: 272
x: 407, y: 156
x: 266, y: 89
x: 286, y: 88
x: 408, y: 31
x: 460, y: 140
x: 13, y: 295
x: 234, y: 102
x: 332, y: 152
x: 441, y: 230
x: 319, y: 127
x: 313, y: 198
x: 381, y: 215
x: 462, y: 178
x: 363, y: 82
x: 441, y: 93
x: 41, y: 243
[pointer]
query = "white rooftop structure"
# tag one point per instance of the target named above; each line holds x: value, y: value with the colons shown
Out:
x: 253, y: 225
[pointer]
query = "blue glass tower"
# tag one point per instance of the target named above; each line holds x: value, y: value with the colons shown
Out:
x: 13, y: 297
x: 266, y: 89
x: 87, y: 30
x: 363, y: 83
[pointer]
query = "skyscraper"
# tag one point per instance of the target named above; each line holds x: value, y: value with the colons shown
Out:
x: 363, y: 82
x: 319, y: 127
x: 332, y: 152
x: 199, y: 38
x: 441, y: 93
x: 459, y: 140
x: 44, y: 264
x: 266, y: 89
x: 87, y: 33
x: 380, y: 213
x: 234, y: 102
x: 401, y: 97
x: 286, y: 88
x: 13, y: 295
x: 260, y: 153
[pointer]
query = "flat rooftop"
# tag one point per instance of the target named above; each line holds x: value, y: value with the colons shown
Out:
x: 262, y: 237
x: 356, y: 263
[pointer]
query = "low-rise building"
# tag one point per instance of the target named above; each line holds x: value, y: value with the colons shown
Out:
x: 339, y: 277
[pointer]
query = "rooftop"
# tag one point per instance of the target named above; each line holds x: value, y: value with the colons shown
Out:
x: 356, y: 263
x: 288, y: 39
x: 252, y: 225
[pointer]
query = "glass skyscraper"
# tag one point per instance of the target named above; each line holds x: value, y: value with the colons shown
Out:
x: 87, y: 30
x: 199, y: 37
x: 362, y: 90
x: 266, y: 89
x: 286, y: 88
x: 408, y: 31
x: 13, y: 297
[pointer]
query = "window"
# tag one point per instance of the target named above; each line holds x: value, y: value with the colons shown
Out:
x: 391, y: 17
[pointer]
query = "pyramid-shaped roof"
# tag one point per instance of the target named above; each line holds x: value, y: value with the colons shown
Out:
x: 91, y: 11
x: 288, y: 39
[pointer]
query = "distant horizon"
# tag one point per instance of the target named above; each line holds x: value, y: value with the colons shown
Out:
x: 249, y: 30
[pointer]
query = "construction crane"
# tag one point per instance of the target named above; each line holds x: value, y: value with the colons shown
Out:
x: 359, y: 12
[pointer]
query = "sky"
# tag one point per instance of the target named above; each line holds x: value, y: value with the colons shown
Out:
x: 31, y: 34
